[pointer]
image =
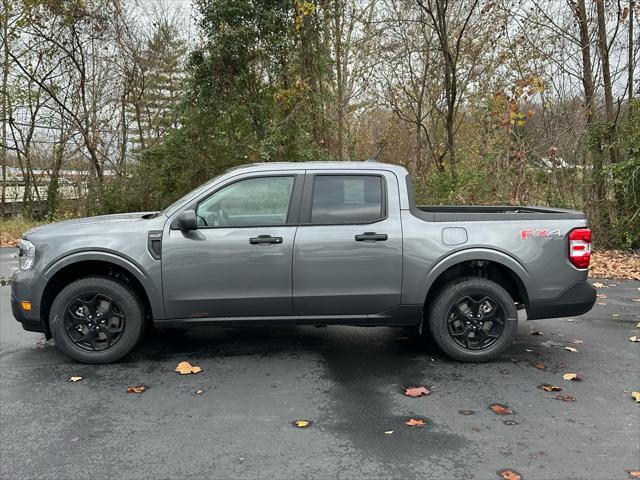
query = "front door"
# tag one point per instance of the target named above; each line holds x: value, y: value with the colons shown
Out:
x: 238, y: 262
x: 348, y: 249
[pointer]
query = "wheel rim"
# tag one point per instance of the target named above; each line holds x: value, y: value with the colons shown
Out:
x: 94, y: 321
x: 476, y: 321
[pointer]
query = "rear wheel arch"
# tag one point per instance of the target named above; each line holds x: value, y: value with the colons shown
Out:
x: 70, y: 270
x: 495, y: 266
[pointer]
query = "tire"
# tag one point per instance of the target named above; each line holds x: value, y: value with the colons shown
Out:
x: 117, y: 310
x: 452, y: 329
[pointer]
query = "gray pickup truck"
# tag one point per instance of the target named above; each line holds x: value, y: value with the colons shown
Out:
x: 303, y: 243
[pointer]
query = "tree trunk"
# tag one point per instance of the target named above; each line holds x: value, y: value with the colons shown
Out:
x: 53, y: 193
x: 631, y: 59
x: 337, y: 35
x: 606, y: 79
x: 599, y: 193
x: 5, y: 113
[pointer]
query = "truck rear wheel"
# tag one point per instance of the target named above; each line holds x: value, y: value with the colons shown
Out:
x: 473, y: 319
x: 96, y: 320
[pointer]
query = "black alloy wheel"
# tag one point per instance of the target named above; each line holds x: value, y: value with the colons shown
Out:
x: 94, y: 321
x: 476, y: 321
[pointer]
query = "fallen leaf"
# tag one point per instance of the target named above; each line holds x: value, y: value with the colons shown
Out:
x: 415, y: 422
x: 601, y: 303
x: 302, y: 423
x: 549, y: 388
x: 185, y: 368
x: 572, y: 376
x: 636, y: 396
x: 75, y: 439
x: 75, y: 379
x: 136, y: 389
x: 44, y: 343
x: 565, y: 398
x: 509, y: 475
x: 598, y: 285
x: 467, y: 412
x: 536, y: 333
x: 635, y: 299
x: 540, y: 366
x: 601, y: 295
x: 389, y: 432
x: 500, y: 409
x: 638, y: 325
x: 416, y: 392
x: 635, y: 338
x: 571, y: 349
x: 576, y: 342
x: 516, y: 360
x: 199, y: 392
x: 634, y: 474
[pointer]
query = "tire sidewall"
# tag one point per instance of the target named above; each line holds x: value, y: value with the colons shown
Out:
x: 452, y: 292
x: 127, y: 301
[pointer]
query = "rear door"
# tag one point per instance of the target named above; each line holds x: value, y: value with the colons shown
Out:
x: 348, y: 250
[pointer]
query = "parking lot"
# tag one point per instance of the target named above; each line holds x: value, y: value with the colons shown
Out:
x: 348, y: 382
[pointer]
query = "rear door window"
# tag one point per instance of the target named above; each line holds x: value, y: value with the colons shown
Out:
x: 347, y: 199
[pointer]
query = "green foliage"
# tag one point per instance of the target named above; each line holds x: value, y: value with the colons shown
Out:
x: 625, y: 179
x: 250, y: 98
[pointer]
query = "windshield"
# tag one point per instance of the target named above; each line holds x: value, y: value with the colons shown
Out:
x: 184, y: 199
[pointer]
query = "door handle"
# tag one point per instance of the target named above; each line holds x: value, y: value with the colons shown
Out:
x: 264, y: 239
x: 371, y: 237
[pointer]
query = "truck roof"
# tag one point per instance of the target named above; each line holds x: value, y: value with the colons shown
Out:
x: 324, y: 165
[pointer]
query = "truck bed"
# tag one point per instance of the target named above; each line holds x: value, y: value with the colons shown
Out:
x: 456, y: 213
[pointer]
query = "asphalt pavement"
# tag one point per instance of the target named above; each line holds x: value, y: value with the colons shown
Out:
x: 347, y: 381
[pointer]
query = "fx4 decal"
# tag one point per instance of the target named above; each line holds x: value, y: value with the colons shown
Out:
x: 544, y: 233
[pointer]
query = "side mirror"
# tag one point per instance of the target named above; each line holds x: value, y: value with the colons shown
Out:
x: 187, y: 220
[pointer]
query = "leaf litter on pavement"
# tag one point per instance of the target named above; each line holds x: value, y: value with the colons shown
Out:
x: 185, y: 368
x: 509, y: 474
x: 549, y: 388
x: 415, y: 422
x: 415, y: 392
x: 302, y: 423
x: 500, y: 409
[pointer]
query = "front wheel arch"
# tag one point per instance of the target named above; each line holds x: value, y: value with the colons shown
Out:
x: 83, y: 268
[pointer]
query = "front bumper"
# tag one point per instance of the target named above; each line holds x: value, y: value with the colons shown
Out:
x: 29, y: 324
x: 27, y: 286
x: 579, y: 298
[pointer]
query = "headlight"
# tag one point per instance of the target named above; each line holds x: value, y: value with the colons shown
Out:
x: 26, y: 255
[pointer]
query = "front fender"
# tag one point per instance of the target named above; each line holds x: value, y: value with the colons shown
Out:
x: 150, y: 284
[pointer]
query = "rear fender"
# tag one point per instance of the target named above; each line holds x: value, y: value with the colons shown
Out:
x: 477, y: 254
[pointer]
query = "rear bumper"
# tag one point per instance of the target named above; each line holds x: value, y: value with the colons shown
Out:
x: 576, y: 300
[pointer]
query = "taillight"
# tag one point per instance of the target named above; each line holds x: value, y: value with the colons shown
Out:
x: 580, y: 247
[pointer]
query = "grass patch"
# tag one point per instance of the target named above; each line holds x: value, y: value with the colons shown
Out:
x: 12, y: 228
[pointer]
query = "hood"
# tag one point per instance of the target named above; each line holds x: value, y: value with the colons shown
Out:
x: 88, y: 221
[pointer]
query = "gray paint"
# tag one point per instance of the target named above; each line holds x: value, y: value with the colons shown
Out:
x: 317, y: 271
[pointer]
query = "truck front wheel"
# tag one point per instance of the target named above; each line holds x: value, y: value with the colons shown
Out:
x: 96, y: 320
x: 473, y: 319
